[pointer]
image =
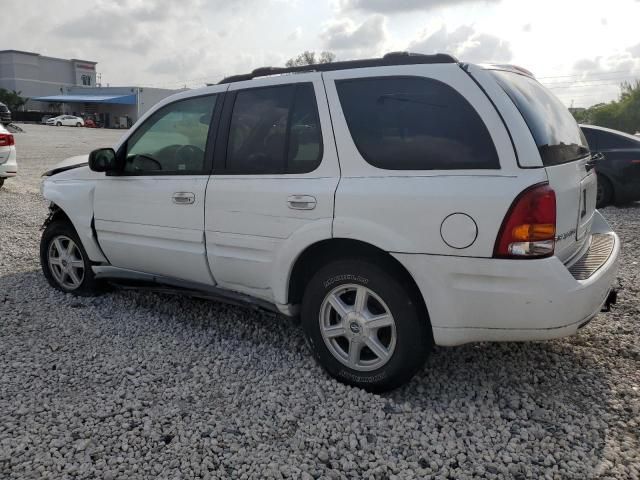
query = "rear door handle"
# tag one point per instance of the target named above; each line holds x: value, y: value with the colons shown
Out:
x: 183, y: 198
x: 301, y: 202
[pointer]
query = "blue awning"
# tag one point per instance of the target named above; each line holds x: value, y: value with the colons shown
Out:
x: 113, y: 99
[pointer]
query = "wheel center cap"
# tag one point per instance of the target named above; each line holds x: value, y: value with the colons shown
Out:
x: 354, y: 327
x: 65, y: 264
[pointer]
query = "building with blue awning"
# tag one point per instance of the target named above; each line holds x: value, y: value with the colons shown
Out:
x: 60, y: 86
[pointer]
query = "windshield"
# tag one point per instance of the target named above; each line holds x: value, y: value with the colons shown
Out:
x: 555, y: 131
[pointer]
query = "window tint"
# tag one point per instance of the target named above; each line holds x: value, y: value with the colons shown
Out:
x: 173, y: 139
x: 611, y: 141
x: 592, y: 138
x: 274, y: 130
x: 555, y: 131
x: 412, y: 123
x: 305, y: 143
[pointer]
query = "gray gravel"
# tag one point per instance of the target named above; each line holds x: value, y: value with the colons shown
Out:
x: 138, y: 385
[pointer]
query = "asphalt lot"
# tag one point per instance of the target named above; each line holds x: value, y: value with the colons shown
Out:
x: 140, y: 385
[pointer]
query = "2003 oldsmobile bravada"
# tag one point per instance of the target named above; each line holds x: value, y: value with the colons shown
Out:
x: 393, y: 203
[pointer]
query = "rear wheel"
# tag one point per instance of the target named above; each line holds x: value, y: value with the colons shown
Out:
x: 364, y: 325
x: 1, y: 181
x: 78, y: 124
x: 58, y: 124
x: 64, y: 261
x: 605, y: 192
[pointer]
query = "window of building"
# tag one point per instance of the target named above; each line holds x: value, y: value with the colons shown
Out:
x: 86, y: 80
x: 274, y: 130
x: 173, y: 139
x: 415, y: 123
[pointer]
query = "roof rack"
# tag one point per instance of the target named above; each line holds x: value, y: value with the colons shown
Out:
x: 393, y: 58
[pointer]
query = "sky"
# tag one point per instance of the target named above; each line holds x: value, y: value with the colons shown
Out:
x: 581, y: 49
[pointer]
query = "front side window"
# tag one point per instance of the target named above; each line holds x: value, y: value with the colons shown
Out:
x: 173, y: 139
x: 415, y: 123
x: 274, y: 130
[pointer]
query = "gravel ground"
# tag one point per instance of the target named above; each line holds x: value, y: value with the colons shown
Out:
x: 139, y: 385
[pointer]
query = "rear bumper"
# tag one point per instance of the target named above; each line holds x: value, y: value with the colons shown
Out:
x: 10, y: 167
x: 481, y: 299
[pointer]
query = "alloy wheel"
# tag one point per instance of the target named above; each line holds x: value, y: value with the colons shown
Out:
x: 66, y: 262
x: 357, y: 327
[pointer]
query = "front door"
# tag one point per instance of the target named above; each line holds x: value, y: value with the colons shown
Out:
x: 150, y: 216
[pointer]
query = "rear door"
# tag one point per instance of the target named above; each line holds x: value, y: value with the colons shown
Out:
x: 564, y: 152
x: 274, y: 178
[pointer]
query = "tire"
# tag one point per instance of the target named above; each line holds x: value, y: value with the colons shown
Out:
x: 405, y: 342
x: 58, y: 124
x: 605, y: 192
x: 78, y: 124
x: 1, y: 181
x: 72, y: 273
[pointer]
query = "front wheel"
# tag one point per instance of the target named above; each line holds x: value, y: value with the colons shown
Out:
x: 64, y: 261
x: 58, y: 124
x: 364, y: 325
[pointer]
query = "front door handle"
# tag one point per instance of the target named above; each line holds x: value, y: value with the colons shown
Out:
x: 301, y: 202
x: 183, y: 198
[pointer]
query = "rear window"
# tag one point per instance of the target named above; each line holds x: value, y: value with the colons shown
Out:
x: 555, y: 131
x: 415, y: 123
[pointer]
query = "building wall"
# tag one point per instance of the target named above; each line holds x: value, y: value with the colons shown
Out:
x: 35, y: 75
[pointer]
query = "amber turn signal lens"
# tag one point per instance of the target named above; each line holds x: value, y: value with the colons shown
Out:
x: 532, y: 232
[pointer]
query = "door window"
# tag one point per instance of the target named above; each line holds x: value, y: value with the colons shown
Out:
x: 173, y: 140
x: 611, y: 141
x: 274, y: 130
x: 415, y: 123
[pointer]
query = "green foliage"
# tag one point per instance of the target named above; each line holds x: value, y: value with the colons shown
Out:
x: 309, y: 58
x: 622, y: 114
x: 12, y: 99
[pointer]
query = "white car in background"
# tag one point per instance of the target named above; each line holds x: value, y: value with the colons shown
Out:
x: 66, y: 120
x: 8, y: 163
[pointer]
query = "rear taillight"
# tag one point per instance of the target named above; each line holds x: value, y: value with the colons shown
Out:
x: 6, y: 140
x: 529, y: 228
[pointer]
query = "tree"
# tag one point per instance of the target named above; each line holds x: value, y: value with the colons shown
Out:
x: 309, y: 58
x: 12, y: 99
x: 622, y: 114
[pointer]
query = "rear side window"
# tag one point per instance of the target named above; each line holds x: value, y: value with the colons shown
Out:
x: 611, y: 141
x: 274, y: 130
x: 415, y: 123
x: 555, y: 131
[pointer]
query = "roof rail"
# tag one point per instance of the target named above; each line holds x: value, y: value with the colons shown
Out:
x: 393, y: 58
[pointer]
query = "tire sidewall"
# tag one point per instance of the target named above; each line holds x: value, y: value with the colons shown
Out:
x: 607, y: 191
x: 412, y: 340
x: 89, y: 285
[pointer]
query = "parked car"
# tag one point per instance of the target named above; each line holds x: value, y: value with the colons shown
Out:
x: 392, y: 203
x: 619, y: 171
x: 45, y: 118
x: 66, y: 120
x: 5, y: 114
x: 8, y: 161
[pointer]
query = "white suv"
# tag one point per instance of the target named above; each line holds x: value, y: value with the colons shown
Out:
x: 392, y: 203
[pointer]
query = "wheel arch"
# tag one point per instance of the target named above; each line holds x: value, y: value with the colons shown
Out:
x: 321, y: 252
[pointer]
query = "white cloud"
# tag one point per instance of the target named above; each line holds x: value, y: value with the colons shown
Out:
x: 398, y: 6
x: 346, y: 36
x: 464, y: 43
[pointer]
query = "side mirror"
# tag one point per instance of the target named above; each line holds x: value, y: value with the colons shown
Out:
x: 103, y: 160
